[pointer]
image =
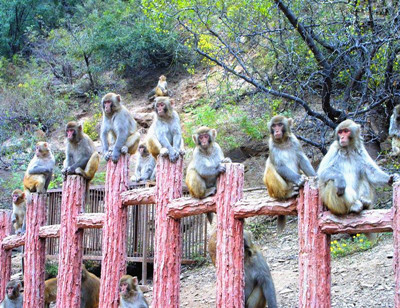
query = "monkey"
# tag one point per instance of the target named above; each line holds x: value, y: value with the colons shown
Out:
x: 206, y: 165
x: 13, y: 298
x: 50, y: 291
x: 81, y: 156
x: 394, y: 131
x: 19, y: 211
x: 90, y: 290
x: 286, y: 161
x: 146, y: 165
x: 165, y: 135
x: 118, y: 126
x: 160, y: 90
x: 40, y: 169
x: 258, y: 283
x: 130, y: 294
x: 347, y: 174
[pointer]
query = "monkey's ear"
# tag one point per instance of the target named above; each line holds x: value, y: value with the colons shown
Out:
x: 290, y: 120
x: 23, y: 195
x: 45, y: 144
x: 135, y: 280
x: 213, y: 133
x: 118, y: 98
x: 195, y: 138
x: 80, y: 127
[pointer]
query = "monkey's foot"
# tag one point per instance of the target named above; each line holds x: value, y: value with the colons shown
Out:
x: 124, y: 149
x: 357, y: 207
x: 182, y: 152
x: 226, y: 160
x: 210, y: 191
x: 164, y: 152
x: 366, y: 203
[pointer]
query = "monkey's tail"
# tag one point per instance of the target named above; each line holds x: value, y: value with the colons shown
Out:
x: 210, y: 217
x: 281, y: 223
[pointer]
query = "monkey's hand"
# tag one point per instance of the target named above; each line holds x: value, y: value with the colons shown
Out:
x: 115, y: 156
x: 107, y: 155
x: 300, y: 182
x: 124, y: 149
x: 173, y: 155
x: 182, y: 152
x: 394, y: 178
x: 226, y: 160
x: 221, y: 168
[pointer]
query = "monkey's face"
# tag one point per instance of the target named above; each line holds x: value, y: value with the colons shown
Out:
x: 41, y: 149
x: 278, y: 130
x: 17, y: 197
x: 344, y: 137
x: 161, y: 109
x: 12, y: 290
x: 204, y: 140
x: 143, y: 151
x: 107, y: 106
x: 70, y: 133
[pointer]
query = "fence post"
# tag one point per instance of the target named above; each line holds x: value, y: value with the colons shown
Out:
x: 114, y: 232
x: 5, y: 255
x: 35, y: 251
x: 168, y: 246
x: 396, y: 239
x: 71, y: 239
x: 229, y: 259
x: 314, y: 251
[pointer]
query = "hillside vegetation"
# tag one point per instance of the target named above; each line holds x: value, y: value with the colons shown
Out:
x: 318, y: 61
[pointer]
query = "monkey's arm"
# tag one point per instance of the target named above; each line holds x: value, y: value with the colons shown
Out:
x: 375, y: 175
x: 80, y: 163
x: 103, y: 137
x: 45, y: 169
x: 149, y: 170
x: 288, y: 174
x: 305, y: 165
x: 392, y: 131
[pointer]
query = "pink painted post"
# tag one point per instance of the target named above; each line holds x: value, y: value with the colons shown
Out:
x: 168, y: 246
x: 5, y: 255
x: 396, y: 239
x: 114, y: 232
x: 314, y: 251
x: 71, y: 250
x: 35, y: 251
x: 229, y: 259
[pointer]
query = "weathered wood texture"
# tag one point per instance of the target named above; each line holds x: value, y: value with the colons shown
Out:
x: 188, y: 206
x: 70, y: 255
x: 264, y: 206
x: 364, y: 222
x: 314, y: 251
x: 91, y: 221
x: 114, y: 232
x: 396, y: 242
x: 35, y: 251
x: 168, y: 246
x: 139, y: 196
x: 5, y: 255
x: 229, y: 259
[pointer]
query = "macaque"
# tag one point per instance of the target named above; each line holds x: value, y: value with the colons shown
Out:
x: 81, y: 156
x: 19, y: 211
x: 145, y: 166
x: 160, y: 90
x: 118, y: 128
x: 165, y: 135
x: 347, y: 174
x: 394, y: 131
x: 258, y: 283
x: 130, y: 294
x: 40, y: 170
x: 90, y: 290
x: 283, y: 170
x: 13, y: 298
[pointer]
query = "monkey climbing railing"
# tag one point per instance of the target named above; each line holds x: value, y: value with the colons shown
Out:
x: 315, y: 227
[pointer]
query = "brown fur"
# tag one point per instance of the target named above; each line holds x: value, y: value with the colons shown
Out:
x: 19, y: 210
x: 277, y: 187
x: 160, y: 90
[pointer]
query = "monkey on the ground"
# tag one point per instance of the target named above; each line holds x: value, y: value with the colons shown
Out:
x: 19, y: 211
x: 205, y: 166
x: 394, y: 131
x: 90, y: 290
x: 258, y: 283
x: 347, y: 174
x: 118, y: 128
x: 40, y: 169
x: 160, y: 90
x: 165, y: 135
x: 145, y: 166
x: 286, y: 162
x: 13, y: 298
x: 81, y: 156
x: 130, y: 294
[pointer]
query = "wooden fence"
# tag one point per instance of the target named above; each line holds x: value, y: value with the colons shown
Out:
x: 314, y: 224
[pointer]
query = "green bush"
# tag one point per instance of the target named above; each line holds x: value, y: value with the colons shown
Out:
x: 344, y: 247
x: 89, y: 126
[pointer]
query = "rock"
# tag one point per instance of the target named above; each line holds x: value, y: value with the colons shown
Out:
x: 143, y: 119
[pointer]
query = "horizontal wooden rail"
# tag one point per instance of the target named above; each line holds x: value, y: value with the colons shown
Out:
x: 91, y: 220
x: 139, y: 196
x: 188, y: 206
x: 364, y: 222
x: 264, y: 206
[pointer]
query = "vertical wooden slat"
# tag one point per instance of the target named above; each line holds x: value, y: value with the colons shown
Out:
x: 396, y: 242
x: 5, y: 255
